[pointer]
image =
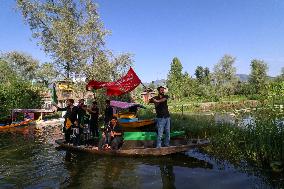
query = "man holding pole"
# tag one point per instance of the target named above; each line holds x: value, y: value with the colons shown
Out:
x: 163, y: 116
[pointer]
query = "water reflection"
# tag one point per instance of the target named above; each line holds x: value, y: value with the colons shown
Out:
x: 168, y: 176
x: 127, y: 172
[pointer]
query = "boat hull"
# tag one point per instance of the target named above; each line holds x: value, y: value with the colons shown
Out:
x: 13, y: 125
x: 136, y: 151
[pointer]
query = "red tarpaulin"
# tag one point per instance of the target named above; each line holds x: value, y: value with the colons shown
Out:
x: 125, y: 84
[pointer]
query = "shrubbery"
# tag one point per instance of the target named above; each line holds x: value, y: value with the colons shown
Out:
x: 15, y: 92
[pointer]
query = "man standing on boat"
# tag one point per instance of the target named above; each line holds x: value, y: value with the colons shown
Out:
x: 71, y: 118
x: 81, y: 114
x: 94, y: 125
x: 108, y: 113
x: 163, y: 116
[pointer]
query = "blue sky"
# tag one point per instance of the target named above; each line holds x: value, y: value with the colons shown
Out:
x: 198, y: 32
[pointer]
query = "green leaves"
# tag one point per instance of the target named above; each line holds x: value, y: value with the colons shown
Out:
x: 225, y: 76
x: 70, y: 31
x: 258, y: 76
x: 15, y: 92
x: 175, y: 79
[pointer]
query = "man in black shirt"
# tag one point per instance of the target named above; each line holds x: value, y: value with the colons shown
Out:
x: 94, y: 111
x: 71, y: 118
x: 81, y: 114
x: 163, y: 116
x: 108, y: 113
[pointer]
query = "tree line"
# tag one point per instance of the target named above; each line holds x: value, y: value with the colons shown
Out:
x: 222, y: 81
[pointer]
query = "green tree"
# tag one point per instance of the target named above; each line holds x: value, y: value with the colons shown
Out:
x: 175, y: 79
x: 207, y: 76
x: 46, y: 74
x: 188, y: 86
x: 258, y: 76
x: 203, y: 75
x: 199, y: 73
x: 225, y: 76
x: 24, y: 65
x: 15, y: 92
x: 70, y: 32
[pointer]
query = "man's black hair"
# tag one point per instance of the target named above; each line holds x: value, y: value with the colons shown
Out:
x: 160, y: 88
x: 71, y: 100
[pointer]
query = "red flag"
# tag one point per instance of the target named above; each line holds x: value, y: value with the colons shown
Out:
x: 125, y: 84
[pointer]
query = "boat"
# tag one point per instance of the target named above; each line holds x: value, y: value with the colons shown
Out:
x: 139, y: 135
x: 138, y: 123
x: 180, y: 146
x: 15, y: 124
x: 127, y: 117
x: 30, y: 116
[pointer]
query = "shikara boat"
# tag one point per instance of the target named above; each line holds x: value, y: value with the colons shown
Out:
x: 180, y: 146
x: 15, y: 124
x: 138, y: 123
x: 127, y: 117
x: 32, y: 113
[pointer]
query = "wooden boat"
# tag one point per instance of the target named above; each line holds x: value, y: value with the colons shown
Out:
x: 139, y: 123
x: 139, y: 151
x: 16, y: 124
x: 34, y: 113
x: 129, y: 118
x: 126, y: 115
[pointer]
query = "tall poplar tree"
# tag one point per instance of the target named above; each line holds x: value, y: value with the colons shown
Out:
x: 175, y: 79
x: 258, y: 76
x: 224, y: 76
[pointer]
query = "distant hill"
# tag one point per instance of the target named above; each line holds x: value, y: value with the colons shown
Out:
x: 243, y: 77
x: 159, y: 82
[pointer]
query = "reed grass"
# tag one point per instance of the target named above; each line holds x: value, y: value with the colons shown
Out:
x: 260, y: 142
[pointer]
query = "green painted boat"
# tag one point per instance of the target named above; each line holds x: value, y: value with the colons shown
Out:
x: 148, y: 135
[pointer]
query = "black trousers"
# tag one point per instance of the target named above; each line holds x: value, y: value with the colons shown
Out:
x: 116, y: 142
x: 67, y: 134
x: 94, y: 127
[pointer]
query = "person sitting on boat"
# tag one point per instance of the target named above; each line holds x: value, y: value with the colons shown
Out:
x: 116, y: 134
x: 104, y: 142
x: 163, y: 116
x: 71, y: 118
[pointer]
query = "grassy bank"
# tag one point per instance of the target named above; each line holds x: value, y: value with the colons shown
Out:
x: 260, y: 142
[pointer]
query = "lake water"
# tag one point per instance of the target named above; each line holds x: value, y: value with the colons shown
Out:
x: 30, y: 159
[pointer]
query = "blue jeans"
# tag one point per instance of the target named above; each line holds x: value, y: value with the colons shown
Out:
x: 163, y: 124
